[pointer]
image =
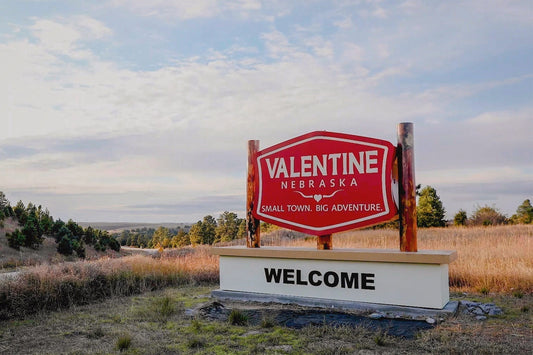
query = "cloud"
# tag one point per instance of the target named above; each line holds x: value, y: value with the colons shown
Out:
x: 77, y: 121
x: 64, y: 38
x: 188, y: 9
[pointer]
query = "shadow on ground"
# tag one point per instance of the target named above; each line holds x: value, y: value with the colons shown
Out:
x: 301, y: 318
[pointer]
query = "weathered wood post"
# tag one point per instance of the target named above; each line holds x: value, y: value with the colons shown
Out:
x: 253, y: 231
x: 324, y: 242
x: 407, y: 187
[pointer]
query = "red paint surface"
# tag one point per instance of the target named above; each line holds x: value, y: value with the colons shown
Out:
x: 324, y: 182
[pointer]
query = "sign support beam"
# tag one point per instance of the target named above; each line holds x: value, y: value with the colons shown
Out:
x: 324, y: 242
x: 407, y: 187
x: 253, y: 229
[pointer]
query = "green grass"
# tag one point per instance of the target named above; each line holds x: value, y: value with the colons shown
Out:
x: 237, y: 317
x: 123, y: 342
x: 156, y: 323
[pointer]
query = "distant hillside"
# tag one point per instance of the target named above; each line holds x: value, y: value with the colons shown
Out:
x: 115, y: 227
x: 46, y: 253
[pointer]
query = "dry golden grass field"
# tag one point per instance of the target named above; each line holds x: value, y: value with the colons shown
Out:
x: 490, y: 259
x: 136, y: 304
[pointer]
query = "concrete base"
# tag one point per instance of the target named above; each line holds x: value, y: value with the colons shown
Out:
x: 389, y: 311
x: 418, y: 280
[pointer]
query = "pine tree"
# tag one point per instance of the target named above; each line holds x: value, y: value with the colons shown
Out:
x: 460, y: 218
x: 524, y: 213
x: 430, y: 212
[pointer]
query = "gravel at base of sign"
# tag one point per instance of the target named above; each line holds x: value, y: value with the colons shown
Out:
x: 481, y: 310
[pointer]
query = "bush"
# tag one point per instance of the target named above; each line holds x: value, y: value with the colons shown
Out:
x: 460, y: 218
x: 487, y: 216
x: 65, y: 246
x: 237, y: 317
x: 124, y: 342
x: 16, y: 239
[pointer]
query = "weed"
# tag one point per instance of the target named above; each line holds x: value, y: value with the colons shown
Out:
x: 166, y: 307
x: 53, y: 287
x: 518, y: 293
x: 96, y: 333
x: 267, y: 322
x: 196, y: 325
x: 123, y: 342
x: 524, y: 309
x: 380, y: 338
x: 196, y: 342
x: 237, y: 317
x: 484, y: 290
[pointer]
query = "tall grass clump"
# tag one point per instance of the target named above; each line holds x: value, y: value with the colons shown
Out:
x: 490, y: 259
x: 59, y: 286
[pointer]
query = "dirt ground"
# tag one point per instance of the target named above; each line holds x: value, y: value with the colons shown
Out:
x: 172, y: 322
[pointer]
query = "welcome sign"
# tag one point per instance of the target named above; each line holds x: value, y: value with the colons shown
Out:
x: 324, y: 182
x: 321, y: 183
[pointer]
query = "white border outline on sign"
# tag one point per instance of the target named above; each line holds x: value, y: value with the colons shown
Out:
x: 383, y: 183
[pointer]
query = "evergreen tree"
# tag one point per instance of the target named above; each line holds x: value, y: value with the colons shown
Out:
x: 161, y: 238
x: 32, y: 231
x: 227, y: 227
x: 195, y: 233
x: 89, y: 235
x: 20, y: 212
x: 3, y: 201
x: 65, y: 246
x: 209, y: 225
x: 181, y: 239
x: 430, y: 212
x: 16, y: 239
x: 524, y: 213
x: 460, y: 218
x: 46, y: 221
x: 241, y: 233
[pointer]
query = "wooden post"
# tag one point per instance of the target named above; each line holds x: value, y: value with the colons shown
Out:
x: 253, y: 231
x: 407, y: 187
x: 324, y: 242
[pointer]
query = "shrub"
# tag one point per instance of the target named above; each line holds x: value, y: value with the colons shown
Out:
x: 460, y: 218
x: 53, y: 287
x: 16, y: 239
x: 487, y: 216
x: 236, y: 317
x: 123, y: 342
x: 65, y: 246
x: 196, y: 342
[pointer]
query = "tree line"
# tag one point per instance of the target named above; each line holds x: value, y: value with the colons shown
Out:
x: 209, y: 230
x: 37, y: 223
x: 71, y: 238
x: 431, y: 212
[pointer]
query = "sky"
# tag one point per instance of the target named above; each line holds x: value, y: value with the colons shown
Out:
x: 140, y: 111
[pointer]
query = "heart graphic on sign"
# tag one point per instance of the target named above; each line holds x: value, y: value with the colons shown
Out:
x: 317, y: 197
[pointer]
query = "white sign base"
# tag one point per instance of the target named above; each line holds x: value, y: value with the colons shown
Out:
x: 363, y: 275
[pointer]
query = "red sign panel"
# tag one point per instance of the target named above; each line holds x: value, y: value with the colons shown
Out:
x: 323, y: 182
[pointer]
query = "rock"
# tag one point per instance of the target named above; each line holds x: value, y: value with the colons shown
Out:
x: 477, y: 310
x: 376, y: 316
x: 481, y: 309
x: 430, y: 320
x: 481, y: 317
x: 495, y: 311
